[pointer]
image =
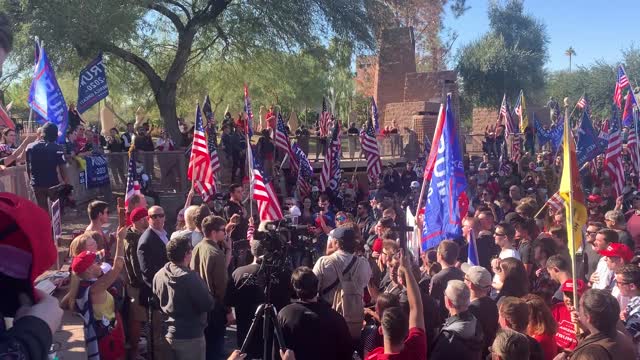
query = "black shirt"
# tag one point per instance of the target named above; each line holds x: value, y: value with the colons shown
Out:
x: 143, y: 142
x: 240, y: 231
x: 526, y: 252
x: 487, y: 250
x: 486, y: 311
x: 43, y: 159
x: 439, y: 284
x: 246, y: 293
x: 315, y: 331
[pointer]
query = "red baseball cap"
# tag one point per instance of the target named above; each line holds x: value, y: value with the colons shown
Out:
x: 595, y: 198
x: 27, y: 248
x: 82, y: 261
x: 138, y: 213
x: 618, y: 250
x: 567, y: 286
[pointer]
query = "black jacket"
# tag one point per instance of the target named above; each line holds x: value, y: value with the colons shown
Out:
x: 152, y: 256
x: 460, y: 338
x: 29, y: 338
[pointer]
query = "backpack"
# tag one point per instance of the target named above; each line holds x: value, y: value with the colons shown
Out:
x: 347, y: 300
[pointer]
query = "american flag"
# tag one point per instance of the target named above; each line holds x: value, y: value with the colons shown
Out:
x: 133, y: 186
x: 370, y: 148
x: 582, y: 102
x: 212, y: 138
x: 621, y: 84
x: 5, y: 119
x: 263, y: 191
x: 325, y: 117
x: 200, y: 171
x: 556, y: 202
x: 504, y: 118
x: 516, y: 148
x: 374, y: 115
x: 249, y: 111
x: 283, y: 143
x: 613, y: 159
x: 330, y: 176
x: 633, y: 149
x: 305, y: 171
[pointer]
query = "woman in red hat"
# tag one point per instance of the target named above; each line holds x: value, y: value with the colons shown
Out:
x: 103, y: 328
x: 565, y: 335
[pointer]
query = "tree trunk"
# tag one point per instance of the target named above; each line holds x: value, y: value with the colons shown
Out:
x: 166, y: 100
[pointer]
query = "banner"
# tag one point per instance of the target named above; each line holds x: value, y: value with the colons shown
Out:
x: 92, y: 85
x: 45, y: 96
x: 553, y: 135
x: 97, y: 171
x: 442, y: 219
x: 588, y: 144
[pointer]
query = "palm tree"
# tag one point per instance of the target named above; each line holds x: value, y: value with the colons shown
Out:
x: 570, y: 52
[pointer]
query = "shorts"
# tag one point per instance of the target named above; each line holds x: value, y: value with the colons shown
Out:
x: 137, y: 312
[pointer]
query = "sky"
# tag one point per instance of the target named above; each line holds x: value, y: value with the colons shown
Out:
x: 597, y: 29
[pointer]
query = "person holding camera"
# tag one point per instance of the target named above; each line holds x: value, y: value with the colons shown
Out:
x: 210, y: 259
x: 247, y: 289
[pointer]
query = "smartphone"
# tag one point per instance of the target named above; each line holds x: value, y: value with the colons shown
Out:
x: 122, y: 213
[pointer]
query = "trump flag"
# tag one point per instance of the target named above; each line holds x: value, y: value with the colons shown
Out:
x: 442, y: 219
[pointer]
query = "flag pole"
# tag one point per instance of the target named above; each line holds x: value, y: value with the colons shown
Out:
x: 572, y: 244
x: 433, y: 150
x: 635, y: 120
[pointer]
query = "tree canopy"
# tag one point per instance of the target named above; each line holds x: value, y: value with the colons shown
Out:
x: 510, y: 57
x: 163, y: 39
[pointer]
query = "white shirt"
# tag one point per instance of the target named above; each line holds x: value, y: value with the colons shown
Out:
x: 507, y: 253
x: 605, y: 275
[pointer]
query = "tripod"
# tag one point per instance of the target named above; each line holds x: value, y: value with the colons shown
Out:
x: 266, y: 312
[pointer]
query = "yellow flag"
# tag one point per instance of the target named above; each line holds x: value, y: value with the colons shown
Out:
x: 522, y: 113
x: 572, y: 193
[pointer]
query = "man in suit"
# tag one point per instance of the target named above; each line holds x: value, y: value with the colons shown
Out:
x: 152, y: 256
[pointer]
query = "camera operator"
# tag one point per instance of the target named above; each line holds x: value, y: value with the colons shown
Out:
x: 246, y: 292
x: 344, y: 266
x: 234, y: 206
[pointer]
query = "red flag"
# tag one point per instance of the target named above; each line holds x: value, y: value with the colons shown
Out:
x: 431, y: 161
x: 5, y: 120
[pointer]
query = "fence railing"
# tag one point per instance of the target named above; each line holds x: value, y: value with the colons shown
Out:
x: 168, y: 169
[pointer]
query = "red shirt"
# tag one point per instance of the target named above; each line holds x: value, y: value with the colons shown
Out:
x: 548, y: 345
x: 377, y: 245
x: 566, y: 335
x: 415, y: 347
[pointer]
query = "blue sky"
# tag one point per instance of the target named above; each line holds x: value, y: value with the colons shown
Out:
x: 597, y: 29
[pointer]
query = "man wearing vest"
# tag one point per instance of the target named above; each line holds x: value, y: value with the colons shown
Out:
x: 342, y: 277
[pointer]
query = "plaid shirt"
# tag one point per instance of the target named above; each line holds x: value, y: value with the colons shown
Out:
x: 632, y: 324
x: 544, y: 286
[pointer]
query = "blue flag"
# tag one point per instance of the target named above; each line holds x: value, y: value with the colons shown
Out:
x: 588, y: 144
x: 92, y: 86
x: 442, y: 212
x: 472, y: 253
x: 45, y: 96
x: 553, y: 135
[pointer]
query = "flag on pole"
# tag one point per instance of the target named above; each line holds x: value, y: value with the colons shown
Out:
x: 249, y: 112
x: 433, y: 151
x: 472, y: 251
x: 283, y: 143
x: 629, y: 105
x: 45, y: 95
x: 556, y: 202
x: 521, y: 111
x: 374, y: 115
x: 622, y: 82
x: 263, y: 191
x: 571, y: 192
x: 212, y: 138
x: 516, y: 148
x: 442, y: 217
x: 200, y: 170
x: 331, y: 173
x: 633, y: 148
x: 504, y: 117
x: 305, y: 171
x: 613, y: 156
x: 370, y: 148
x: 582, y: 103
x: 325, y: 117
x: 133, y: 186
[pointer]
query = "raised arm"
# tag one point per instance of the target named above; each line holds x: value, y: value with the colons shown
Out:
x: 416, y: 315
x: 106, y: 280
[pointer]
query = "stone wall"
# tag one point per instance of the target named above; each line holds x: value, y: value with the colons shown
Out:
x: 431, y: 86
x: 397, y: 57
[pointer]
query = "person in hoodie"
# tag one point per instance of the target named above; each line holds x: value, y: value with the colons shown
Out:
x: 185, y: 299
x: 461, y: 335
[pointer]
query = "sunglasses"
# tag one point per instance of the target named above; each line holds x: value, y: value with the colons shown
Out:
x: 156, y: 216
x: 498, y: 234
x: 341, y: 218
